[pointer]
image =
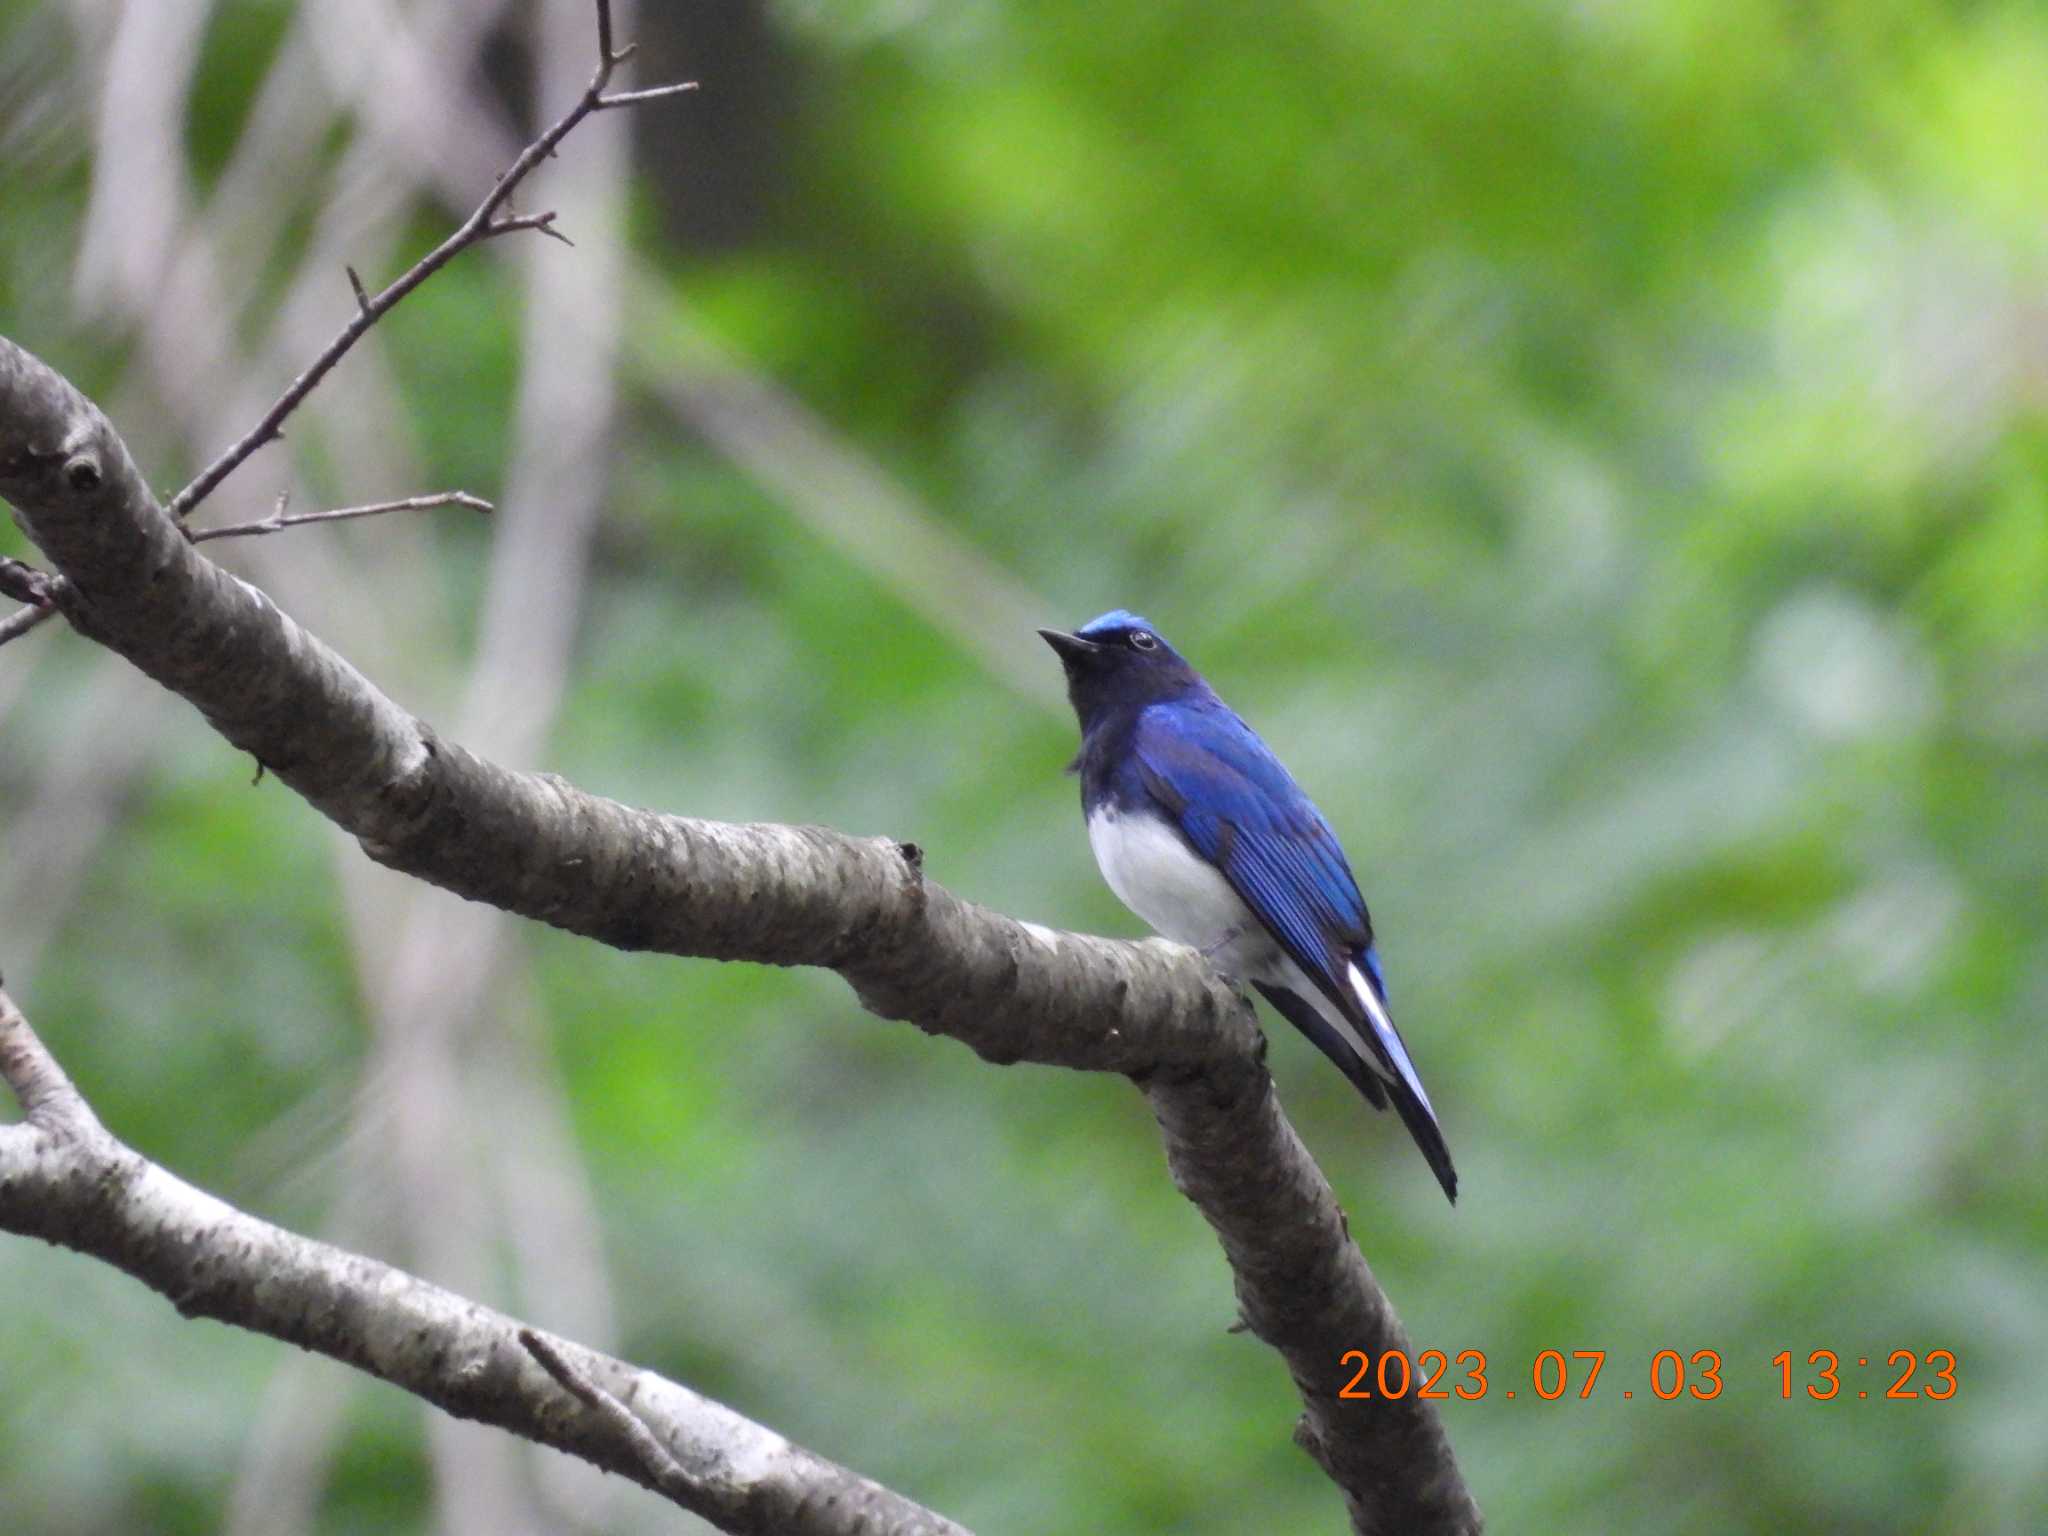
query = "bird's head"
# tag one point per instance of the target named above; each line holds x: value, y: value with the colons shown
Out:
x: 1120, y: 660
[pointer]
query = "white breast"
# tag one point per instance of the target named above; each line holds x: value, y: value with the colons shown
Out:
x: 1173, y: 888
x: 1182, y: 896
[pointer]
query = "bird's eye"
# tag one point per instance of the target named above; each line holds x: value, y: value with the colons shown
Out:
x: 1143, y: 640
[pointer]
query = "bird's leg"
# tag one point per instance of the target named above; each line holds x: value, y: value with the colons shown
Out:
x: 1213, y: 952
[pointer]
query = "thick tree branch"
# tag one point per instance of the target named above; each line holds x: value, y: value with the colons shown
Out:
x: 536, y: 845
x: 66, y: 1179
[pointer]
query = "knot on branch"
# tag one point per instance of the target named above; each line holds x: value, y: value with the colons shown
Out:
x: 407, y: 799
x: 26, y: 463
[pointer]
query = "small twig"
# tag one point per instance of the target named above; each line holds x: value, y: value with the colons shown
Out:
x: 24, y: 583
x: 18, y: 579
x: 666, y: 1471
x: 481, y: 225
x: 635, y: 98
x: 540, y: 223
x: 355, y: 282
x: 279, y: 520
x: 15, y: 625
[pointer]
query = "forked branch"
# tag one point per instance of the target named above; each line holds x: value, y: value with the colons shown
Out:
x: 485, y: 222
x: 66, y: 1179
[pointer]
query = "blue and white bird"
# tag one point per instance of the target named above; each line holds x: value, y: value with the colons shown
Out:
x: 1200, y: 831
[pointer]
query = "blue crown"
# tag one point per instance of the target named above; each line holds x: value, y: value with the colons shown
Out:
x: 1111, y: 622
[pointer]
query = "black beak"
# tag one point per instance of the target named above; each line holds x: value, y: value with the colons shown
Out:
x: 1070, y: 647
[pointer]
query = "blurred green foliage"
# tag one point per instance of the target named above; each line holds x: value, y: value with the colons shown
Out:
x: 1603, y: 446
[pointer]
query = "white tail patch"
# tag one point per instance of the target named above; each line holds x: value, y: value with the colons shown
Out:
x: 1376, y: 1011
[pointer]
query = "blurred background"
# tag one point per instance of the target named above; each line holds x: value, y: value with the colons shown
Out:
x: 1603, y: 446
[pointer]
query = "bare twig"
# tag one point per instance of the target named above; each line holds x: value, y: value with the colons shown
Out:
x: 484, y: 223
x: 15, y: 625
x: 608, y: 55
x: 815, y: 471
x: 636, y: 98
x: 44, y: 593
x: 66, y: 1179
x: 24, y: 583
x: 279, y: 519
x: 481, y: 225
x: 543, y: 223
x: 38, y: 590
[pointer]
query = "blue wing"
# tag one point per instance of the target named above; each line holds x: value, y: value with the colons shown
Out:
x: 1241, y: 810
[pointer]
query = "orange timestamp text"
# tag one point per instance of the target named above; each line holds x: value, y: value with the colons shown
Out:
x: 1438, y: 1376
